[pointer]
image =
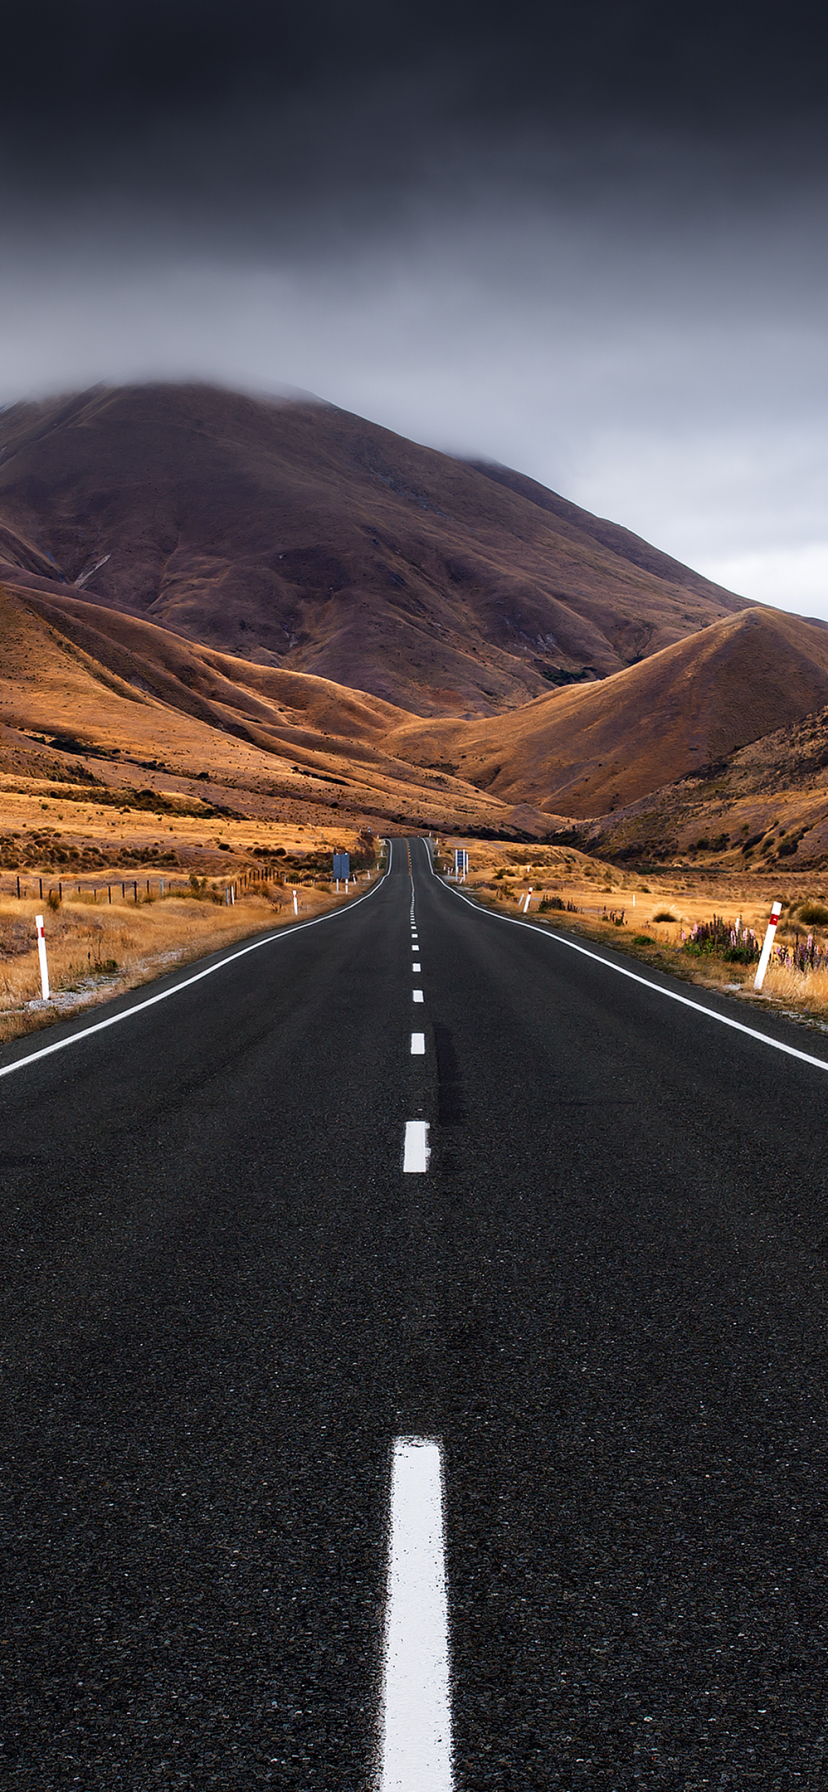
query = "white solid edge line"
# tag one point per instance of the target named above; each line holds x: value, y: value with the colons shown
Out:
x: 164, y: 995
x: 416, y: 1151
x: 415, y: 1735
x: 672, y: 995
x: 418, y: 1045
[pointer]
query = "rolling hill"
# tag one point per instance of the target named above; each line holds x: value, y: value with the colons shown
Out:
x: 87, y: 680
x: 595, y: 748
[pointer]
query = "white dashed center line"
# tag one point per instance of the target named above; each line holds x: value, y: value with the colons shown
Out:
x: 416, y: 1704
x: 416, y: 995
x: 418, y: 1045
x: 416, y: 1153
x: 416, y: 967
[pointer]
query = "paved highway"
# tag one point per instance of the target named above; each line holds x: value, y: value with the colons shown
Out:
x: 605, y: 1296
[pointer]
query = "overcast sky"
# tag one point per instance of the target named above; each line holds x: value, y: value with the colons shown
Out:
x: 586, y: 240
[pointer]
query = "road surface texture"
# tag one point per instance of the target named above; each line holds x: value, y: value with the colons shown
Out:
x: 225, y: 1298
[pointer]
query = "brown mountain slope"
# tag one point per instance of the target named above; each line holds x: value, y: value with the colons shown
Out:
x: 295, y: 534
x: 84, y: 679
x: 765, y: 805
x: 638, y: 747
x: 611, y: 535
x: 598, y: 747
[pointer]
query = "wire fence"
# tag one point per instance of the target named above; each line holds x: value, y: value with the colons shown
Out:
x: 28, y: 886
x: 31, y: 886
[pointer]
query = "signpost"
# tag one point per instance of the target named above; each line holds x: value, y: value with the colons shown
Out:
x: 461, y: 863
x: 342, y: 867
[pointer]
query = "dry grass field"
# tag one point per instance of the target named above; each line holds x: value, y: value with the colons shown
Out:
x: 118, y: 914
x: 652, y: 916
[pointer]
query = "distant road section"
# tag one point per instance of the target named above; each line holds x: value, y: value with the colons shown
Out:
x: 530, y: 1271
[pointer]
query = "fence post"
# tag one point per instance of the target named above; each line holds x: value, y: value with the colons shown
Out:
x: 766, y: 948
x: 41, y: 953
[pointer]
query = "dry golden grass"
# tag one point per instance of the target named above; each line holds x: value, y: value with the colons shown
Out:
x: 805, y: 991
x: 98, y: 950
x: 73, y: 838
x: 48, y: 820
x: 596, y: 890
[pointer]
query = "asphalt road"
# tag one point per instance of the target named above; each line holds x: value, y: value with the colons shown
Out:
x: 223, y: 1299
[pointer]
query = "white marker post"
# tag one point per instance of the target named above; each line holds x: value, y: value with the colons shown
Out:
x: 41, y: 953
x: 295, y: 903
x: 767, y: 946
x: 528, y: 900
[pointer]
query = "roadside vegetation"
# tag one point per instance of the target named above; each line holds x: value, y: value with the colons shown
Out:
x: 101, y: 941
x: 709, y: 931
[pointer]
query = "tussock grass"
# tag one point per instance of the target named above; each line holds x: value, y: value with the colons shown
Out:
x: 811, y: 913
x: 98, y: 951
x: 806, y: 989
x: 571, y: 891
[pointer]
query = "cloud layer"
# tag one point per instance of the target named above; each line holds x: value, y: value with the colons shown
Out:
x: 590, y: 247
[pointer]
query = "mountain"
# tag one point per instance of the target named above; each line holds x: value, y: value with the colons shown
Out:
x: 763, y: 807
x: 305, y: 614
x: 595, y: 748
x: 292, y: 534
x: 634, y: 758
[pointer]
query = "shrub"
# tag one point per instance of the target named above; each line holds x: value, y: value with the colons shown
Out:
x: 813, y: 913
x: 643, y: 939
x: 551, y: 902
x: 53, y: 900
x: 664, y: 914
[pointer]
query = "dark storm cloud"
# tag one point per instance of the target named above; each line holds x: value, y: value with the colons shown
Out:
x: 91, y: 91
x: 588, y: 239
